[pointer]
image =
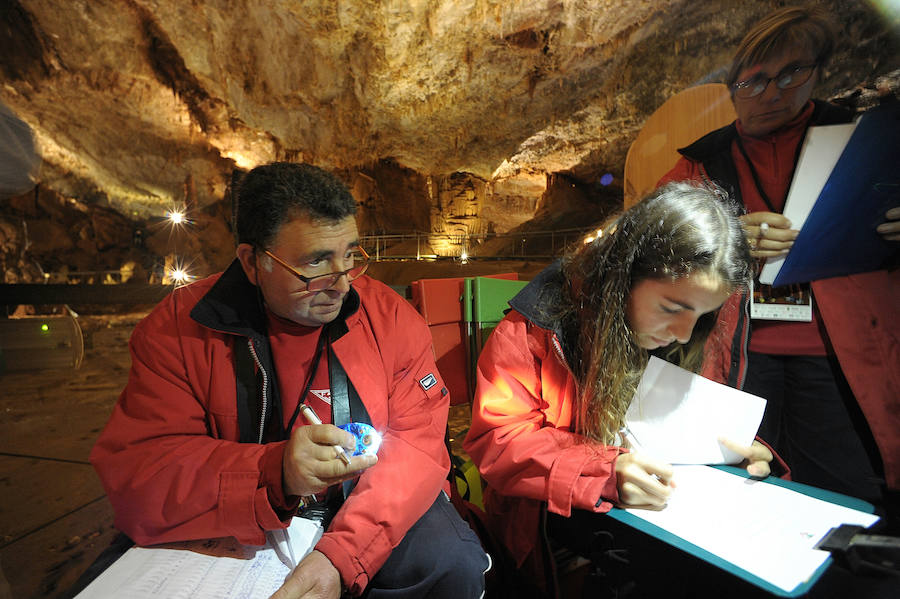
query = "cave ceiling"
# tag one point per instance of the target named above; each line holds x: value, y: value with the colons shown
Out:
x: 133, y: 100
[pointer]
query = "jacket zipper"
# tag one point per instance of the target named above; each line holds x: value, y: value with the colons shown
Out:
x: 265, y: 385
x: 559, y: 351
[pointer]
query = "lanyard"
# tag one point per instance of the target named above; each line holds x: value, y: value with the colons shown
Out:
x: 755, y: 175
x: 320, y: 345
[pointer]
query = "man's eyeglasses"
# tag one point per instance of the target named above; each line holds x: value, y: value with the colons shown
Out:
x: 788, y: 78
x: 326, y: 281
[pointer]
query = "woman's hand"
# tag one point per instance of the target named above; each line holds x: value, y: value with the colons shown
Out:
x: 890, y: 228
x: 768, y: 233
x: 756, y: 457
x: 643, y: 481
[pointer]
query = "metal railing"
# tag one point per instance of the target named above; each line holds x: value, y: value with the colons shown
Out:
x: 495, y: 246
x: 531, y: 245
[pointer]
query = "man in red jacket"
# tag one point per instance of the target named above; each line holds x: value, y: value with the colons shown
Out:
x: 210, y: 437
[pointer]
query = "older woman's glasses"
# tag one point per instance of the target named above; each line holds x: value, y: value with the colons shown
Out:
x: 320, y: 282
x: 788, y: 78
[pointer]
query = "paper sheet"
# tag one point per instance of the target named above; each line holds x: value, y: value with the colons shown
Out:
x: 293, y: 543
x: 677, y: 416
x: 767, y: 530
x: 155, y: 573
x: 212, y: 569
x: 821, y: 150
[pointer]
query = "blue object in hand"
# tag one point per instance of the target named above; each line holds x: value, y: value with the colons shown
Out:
x: 368, y: 440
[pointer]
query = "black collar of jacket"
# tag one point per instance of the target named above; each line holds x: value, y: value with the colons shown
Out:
x: 719, y: 141
x: 234, y: 305
x: 538, y: 301
x: 713, y: 150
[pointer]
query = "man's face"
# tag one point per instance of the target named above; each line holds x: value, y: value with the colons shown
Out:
x: 313, y: 248
x: 773, y: 108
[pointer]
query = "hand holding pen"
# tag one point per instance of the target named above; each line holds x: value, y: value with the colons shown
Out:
x: 308, y: 463
x: 312, y: 418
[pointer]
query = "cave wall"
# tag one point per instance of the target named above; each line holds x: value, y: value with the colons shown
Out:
x: 458, y: 120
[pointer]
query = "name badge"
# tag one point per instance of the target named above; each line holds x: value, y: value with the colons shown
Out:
x: 789, y: 302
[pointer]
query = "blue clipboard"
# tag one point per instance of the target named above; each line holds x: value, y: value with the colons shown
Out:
x: 839, y: 237
x: 663, y: 535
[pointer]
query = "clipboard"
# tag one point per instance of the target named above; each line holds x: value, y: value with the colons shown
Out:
x: 630, y: 519
x: 838, y: 235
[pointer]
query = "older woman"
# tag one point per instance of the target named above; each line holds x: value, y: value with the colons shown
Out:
x: 831, y: 381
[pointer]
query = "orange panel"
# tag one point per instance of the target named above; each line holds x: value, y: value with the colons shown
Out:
x: 439, y: 302
x: 450, y: 352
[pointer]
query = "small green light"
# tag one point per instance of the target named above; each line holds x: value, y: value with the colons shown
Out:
x: 45, y: 327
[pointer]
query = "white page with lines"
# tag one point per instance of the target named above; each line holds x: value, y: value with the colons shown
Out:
x: 210, y: 569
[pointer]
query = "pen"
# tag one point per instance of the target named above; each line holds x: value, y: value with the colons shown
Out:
x: 313, y: 419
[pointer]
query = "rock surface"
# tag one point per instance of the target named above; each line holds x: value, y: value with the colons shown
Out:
x: 446, y: 117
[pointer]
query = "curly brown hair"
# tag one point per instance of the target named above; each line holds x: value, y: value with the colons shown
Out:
x: 679, y: 230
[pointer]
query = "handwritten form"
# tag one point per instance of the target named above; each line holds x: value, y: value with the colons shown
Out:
x: 765, y: 529
x: 677, y: 416
x: 212, y: 569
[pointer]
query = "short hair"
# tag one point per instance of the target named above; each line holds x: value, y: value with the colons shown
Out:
x: 273, y: 194
x: 678, y: 230
x: 811, y: 28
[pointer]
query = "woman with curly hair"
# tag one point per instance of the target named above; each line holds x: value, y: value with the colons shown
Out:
x: 556, y: 376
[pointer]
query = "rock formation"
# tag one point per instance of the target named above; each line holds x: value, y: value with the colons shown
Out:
x: 446, y: 117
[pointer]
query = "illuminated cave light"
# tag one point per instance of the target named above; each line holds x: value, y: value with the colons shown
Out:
x: 177, y: 274
x: 45, y: 327
x: 175, y: 216
x: 606, y: 179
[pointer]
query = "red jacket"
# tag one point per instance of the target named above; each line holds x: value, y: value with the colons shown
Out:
x: 522, y: 437
x: 170, y: 457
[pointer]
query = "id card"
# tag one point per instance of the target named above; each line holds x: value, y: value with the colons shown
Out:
x: 789, y: 302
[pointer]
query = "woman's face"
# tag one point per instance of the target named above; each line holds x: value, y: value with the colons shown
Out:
x: 661, y: 311
x: 773, y: 108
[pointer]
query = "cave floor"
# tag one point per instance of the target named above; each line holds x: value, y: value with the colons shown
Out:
x: 55, y: 519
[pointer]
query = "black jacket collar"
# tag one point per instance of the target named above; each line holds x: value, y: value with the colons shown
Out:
x: 234, y: 305
x: 718, y: 142
x: 539, y: 300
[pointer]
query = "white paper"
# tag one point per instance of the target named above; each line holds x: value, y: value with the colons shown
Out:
x: 213, y: 569
x: 678, y: 416
x: 295, y: 542
x: 821, y: 150
x: 767, y: 530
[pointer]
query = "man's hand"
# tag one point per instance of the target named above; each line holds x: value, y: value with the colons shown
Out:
x: 768, y: 233
x: 314, y: 578
x: 756, y: 457
x: 890, y: 229
x: 310, y: 463
x: 643, y: 481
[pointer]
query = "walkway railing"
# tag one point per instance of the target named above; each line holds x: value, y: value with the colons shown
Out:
x: 501, y: 246
x: 531, y: 245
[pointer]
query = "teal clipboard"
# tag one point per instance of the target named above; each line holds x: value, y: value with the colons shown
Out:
x: 667, y: 537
